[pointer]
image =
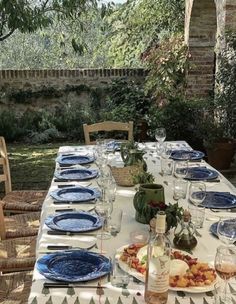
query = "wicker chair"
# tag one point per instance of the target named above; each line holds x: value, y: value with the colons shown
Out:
x: 17, y: 201
x: 20, y: 225
x: 107, y: 126
x: 17, y: 254
x: 15, y: 287
x: 18, y: 235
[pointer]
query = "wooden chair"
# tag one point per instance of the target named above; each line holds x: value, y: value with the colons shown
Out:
x: 20, y: 225
x: 15, y: 287
x: 17, y: 201
x: 18, y: 241
x: 107, y: 126
x: 18, y: 254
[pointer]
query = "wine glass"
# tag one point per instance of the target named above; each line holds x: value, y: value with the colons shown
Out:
x: 160, y: 135
x: 197, y: 193
x: 226, y: 230
x: 225, y: 266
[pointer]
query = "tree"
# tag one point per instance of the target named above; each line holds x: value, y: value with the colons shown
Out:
x: 140, y: 24
x: 30, y: 15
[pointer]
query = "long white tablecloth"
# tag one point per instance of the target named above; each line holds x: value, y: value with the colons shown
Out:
x: 205, y: 249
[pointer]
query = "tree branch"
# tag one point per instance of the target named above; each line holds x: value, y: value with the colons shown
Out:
x: 7, y: 35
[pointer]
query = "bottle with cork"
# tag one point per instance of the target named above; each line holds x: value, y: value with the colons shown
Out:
x: 158, y: 263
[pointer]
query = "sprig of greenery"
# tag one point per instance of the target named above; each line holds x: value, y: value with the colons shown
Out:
x: 143, y: 178
x: 173, y: 214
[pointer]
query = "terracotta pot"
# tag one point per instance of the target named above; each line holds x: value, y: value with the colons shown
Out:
x: 220, y: 156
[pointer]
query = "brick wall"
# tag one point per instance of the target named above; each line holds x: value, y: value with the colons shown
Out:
x: 201, y: 36
x: 205, y: 24
x: 35, y: 80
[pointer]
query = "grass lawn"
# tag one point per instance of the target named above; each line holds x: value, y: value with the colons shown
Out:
x: 31, y: 166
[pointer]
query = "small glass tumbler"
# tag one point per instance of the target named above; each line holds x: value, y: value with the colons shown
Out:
x: 180, y: 189
x: 114, y: 222
x: 197, y: 215
x: 119, y: 278
x: 219, y: 293
x: 166, y: 166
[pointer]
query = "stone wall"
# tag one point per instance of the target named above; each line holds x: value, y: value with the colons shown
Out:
x: 16, y: 85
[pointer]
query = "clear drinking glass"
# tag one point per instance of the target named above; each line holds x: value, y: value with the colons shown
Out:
x: 103, y: 209
x: 166, y: 150
x: 226, y: 230
x: 225, y: 266
x: 181, y: 169
x: 197, y: 193
x: 160, y: 134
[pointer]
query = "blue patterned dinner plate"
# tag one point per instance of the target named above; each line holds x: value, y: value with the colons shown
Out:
x: 213, y: 229
x: 201, y: 173
x: 76, y: 174
x: 73, y: 222
x: 221, y: 200
x: 75, y: 194
x: 113, y: 145
x: 73, y: 159
x: 186, y: 155
x: 73, y: 266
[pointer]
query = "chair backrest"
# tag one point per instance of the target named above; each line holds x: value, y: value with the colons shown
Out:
x: 107, y: 126
x: 2, y: 223
x: 5, y: 176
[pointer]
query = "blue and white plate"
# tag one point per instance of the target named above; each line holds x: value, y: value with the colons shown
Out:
x: 76, y: 174
x: 73, y: 222
x: 219, y: 200
x: 213, y: 229
x: 201, y: 173
x: 73, y: 266
x: 113, y: 145
x: 75, y: 194
x: 186, y: 155
x: 73, y: 159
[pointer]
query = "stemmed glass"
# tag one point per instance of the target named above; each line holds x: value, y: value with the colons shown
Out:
x: 225, y: 266
x: 226, y: 230
x: 160, y: 135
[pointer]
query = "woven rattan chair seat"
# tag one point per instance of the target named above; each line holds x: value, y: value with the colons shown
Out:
x: 22, y: 225
x: 17, y: 254
x: 24, y: 201
x: 15, y: 287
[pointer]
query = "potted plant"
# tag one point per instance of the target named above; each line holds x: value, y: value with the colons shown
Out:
x: 220, y: 129
x: 219, y: 145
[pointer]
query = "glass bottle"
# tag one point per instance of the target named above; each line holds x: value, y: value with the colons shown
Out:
x: 184, y: 233
x: 158, y: 263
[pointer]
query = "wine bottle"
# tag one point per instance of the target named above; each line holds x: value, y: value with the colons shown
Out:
x: 158, y: 263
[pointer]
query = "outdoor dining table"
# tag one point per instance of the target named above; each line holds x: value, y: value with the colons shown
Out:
x: 134, y: 293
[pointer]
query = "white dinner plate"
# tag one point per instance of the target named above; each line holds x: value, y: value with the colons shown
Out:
x: 133, y: 272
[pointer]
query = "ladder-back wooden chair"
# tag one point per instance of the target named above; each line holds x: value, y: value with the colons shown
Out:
x: 107, y: 126
x: 18, y: 235
x: 15, y: 287
x: 17, y: 201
